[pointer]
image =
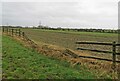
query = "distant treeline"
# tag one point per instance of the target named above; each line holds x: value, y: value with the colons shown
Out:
x: 69, y: 29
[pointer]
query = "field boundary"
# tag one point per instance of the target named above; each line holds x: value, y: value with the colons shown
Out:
x: 21, y: 34
x: 69, y: 29
x: 17, y: 32
x: 113, y: 45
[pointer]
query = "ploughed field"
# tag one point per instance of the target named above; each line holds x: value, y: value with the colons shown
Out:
x: 67, y: 39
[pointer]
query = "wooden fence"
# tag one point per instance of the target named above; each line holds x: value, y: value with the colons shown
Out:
x: 114, y: 53
x: 13, y: 31
x: 20, y: 34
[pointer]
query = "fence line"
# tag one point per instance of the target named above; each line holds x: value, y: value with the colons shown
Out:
x: 114, y: 53
x: 12, y: 31
x: 18, y: 32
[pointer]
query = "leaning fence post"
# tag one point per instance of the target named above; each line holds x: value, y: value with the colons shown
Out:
x: 114, y: 53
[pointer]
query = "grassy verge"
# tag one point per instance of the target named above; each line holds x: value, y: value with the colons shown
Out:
x: 23, y: 63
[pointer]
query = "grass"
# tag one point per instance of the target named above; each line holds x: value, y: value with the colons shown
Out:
x: 76, y: 32
x: 67, y: 39
x: 20, y: 62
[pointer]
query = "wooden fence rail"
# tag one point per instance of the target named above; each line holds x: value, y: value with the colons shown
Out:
x: 113, y: 44
x: 20, y: 34
x: 13, y: 31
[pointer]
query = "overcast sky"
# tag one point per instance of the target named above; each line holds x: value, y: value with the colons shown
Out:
x: 67, y: 13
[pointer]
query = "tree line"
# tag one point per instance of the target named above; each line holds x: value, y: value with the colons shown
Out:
x: 69, y: 29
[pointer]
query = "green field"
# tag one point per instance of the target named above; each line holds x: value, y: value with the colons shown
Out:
x: 23, y: 63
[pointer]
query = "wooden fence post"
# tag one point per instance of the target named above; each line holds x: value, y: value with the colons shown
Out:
x: 114, y: 53
x: 23, y: 34
x: 16, y: 32
x: 19, y: 32
x: 7, y: 30
x: 3, y: 29
x: 12, y: 31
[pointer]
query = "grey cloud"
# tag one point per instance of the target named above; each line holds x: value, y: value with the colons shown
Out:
x: 60, y: 14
